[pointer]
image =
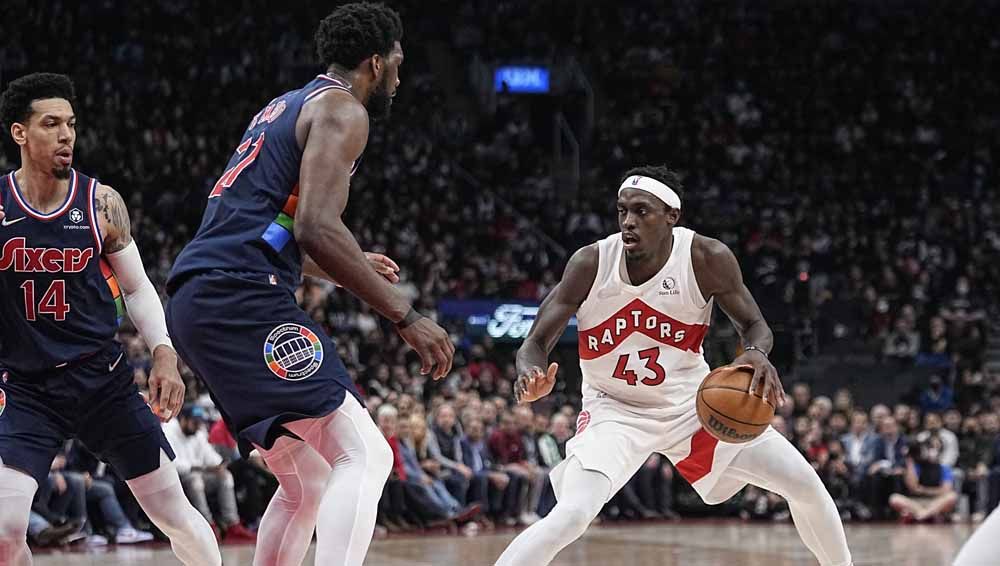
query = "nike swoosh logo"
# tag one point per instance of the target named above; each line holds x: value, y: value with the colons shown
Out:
x: 111, y: 367
x: 5, y: 223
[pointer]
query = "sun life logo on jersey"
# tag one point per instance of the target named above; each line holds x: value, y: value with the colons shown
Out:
x: 293, y: 352
x: 76, y: 216
x: 670, y: 287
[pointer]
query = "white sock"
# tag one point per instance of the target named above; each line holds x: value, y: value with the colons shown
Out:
x: 775, y: 465
x: 161, y: 496
x: 982, y: 548
x: 358, y: 462
x: 17, y: 489
x: 286, y: 529
x: 583, y: 494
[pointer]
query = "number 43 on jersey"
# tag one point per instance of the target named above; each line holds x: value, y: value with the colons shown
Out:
x: 650, y: 356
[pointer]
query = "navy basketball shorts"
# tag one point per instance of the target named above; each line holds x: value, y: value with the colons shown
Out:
x: 264, y: 361
x: 94, y: 400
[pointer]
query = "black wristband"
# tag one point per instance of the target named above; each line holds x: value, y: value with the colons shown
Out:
x: 411, y: 316
x: 754, y: 349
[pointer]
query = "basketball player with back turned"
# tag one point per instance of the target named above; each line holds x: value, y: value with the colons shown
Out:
x: 276, y: 378
x: 644, y: 299
x: 68, y: 270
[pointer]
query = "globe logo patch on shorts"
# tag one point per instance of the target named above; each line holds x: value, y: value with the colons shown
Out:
x: 293, y: 352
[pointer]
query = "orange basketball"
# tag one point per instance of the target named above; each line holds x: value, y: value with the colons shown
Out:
x: 727, y: 411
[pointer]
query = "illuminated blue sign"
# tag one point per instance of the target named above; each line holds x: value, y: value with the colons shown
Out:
x: 504, y: 322
x: 521, y: 79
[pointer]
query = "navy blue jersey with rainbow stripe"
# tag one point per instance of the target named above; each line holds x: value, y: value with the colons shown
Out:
x: 250, y: 214
x: 59, y: 301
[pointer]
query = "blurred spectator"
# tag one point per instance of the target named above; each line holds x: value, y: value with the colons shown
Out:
x: 903, y: 343
x: 938, y: 397
x: 445, y: 446
x: 498, y: 490
x: 203, y: 472
x: 934, y: 428
x: 885, y: 465
x: 433, y: 500
x: 254, y: 483
x: 930, y: 490
x: 101, y: 496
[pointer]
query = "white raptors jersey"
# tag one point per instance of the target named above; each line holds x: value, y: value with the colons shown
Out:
x: 641, y: 344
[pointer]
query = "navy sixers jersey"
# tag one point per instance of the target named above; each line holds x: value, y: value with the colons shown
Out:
x: 249, y: 219
x: 59, y: 301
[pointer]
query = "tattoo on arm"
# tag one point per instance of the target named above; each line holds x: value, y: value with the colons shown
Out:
x: 115, y: 214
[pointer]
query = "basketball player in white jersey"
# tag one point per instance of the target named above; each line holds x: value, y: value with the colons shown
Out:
x: 983, y: 547
x: 643, y: 299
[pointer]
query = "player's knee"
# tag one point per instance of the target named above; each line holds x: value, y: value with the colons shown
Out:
x: 804, y: 487
x: 574, y: 517
x: 16, y: 493
x: 380, y: 458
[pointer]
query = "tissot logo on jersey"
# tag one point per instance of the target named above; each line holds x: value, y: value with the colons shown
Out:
x: 637, y: 316
x: 15, y: 255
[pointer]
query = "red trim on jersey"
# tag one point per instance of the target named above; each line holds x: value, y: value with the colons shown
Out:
x: 635, y: 317
x: 698, y: 463
x: 321, y: 90
x: 34, y: 213
x: 92, y: 213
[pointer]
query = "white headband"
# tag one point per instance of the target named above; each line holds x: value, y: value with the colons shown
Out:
x: 653, y: 187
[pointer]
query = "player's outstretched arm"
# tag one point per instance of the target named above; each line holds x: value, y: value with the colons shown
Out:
x: 383, y: 264
x: 166, y: 388
x: 719, y: 275
x: 559, y: 306
x: 333, y: 131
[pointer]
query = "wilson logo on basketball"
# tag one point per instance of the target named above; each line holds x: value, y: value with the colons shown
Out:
x: 582, y: 421
x: 634, y: 317
x: 723, y: 430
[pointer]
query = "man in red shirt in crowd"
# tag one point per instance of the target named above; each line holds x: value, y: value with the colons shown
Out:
x: 506, y: 445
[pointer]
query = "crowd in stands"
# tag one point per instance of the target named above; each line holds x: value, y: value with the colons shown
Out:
x: 839, y: 150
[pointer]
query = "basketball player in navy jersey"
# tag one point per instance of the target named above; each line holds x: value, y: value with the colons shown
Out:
x: 68, y: 270
x: 274, y: 214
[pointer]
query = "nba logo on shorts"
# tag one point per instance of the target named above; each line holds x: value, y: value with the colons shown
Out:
x: 293, y: 352
x: 3, y: 401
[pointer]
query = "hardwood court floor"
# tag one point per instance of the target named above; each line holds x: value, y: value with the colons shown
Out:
x: 661, y: 544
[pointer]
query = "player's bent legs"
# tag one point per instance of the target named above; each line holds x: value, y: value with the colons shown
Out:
x: 775, y: 465
x: 361, y: 461
x: 286, y: 529
x: 582, y: 495
x: 161, y: 496
x: 17, y: 489
x: 982, y: 547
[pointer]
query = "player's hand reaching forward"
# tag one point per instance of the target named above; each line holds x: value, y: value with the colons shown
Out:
x: 534, y: 384
x: 166, y: 388
x: 763, y: 371
x: 430, y: 342
x: 384, y: 265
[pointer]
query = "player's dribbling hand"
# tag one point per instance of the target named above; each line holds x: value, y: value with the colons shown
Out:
x: 384, y: 265
x: 534, y: 385
x: 166, y: 388
x: 432, y: 344
x: 764, y: 371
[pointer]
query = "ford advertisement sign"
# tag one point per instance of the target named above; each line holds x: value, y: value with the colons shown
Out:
x: 503, y: 321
